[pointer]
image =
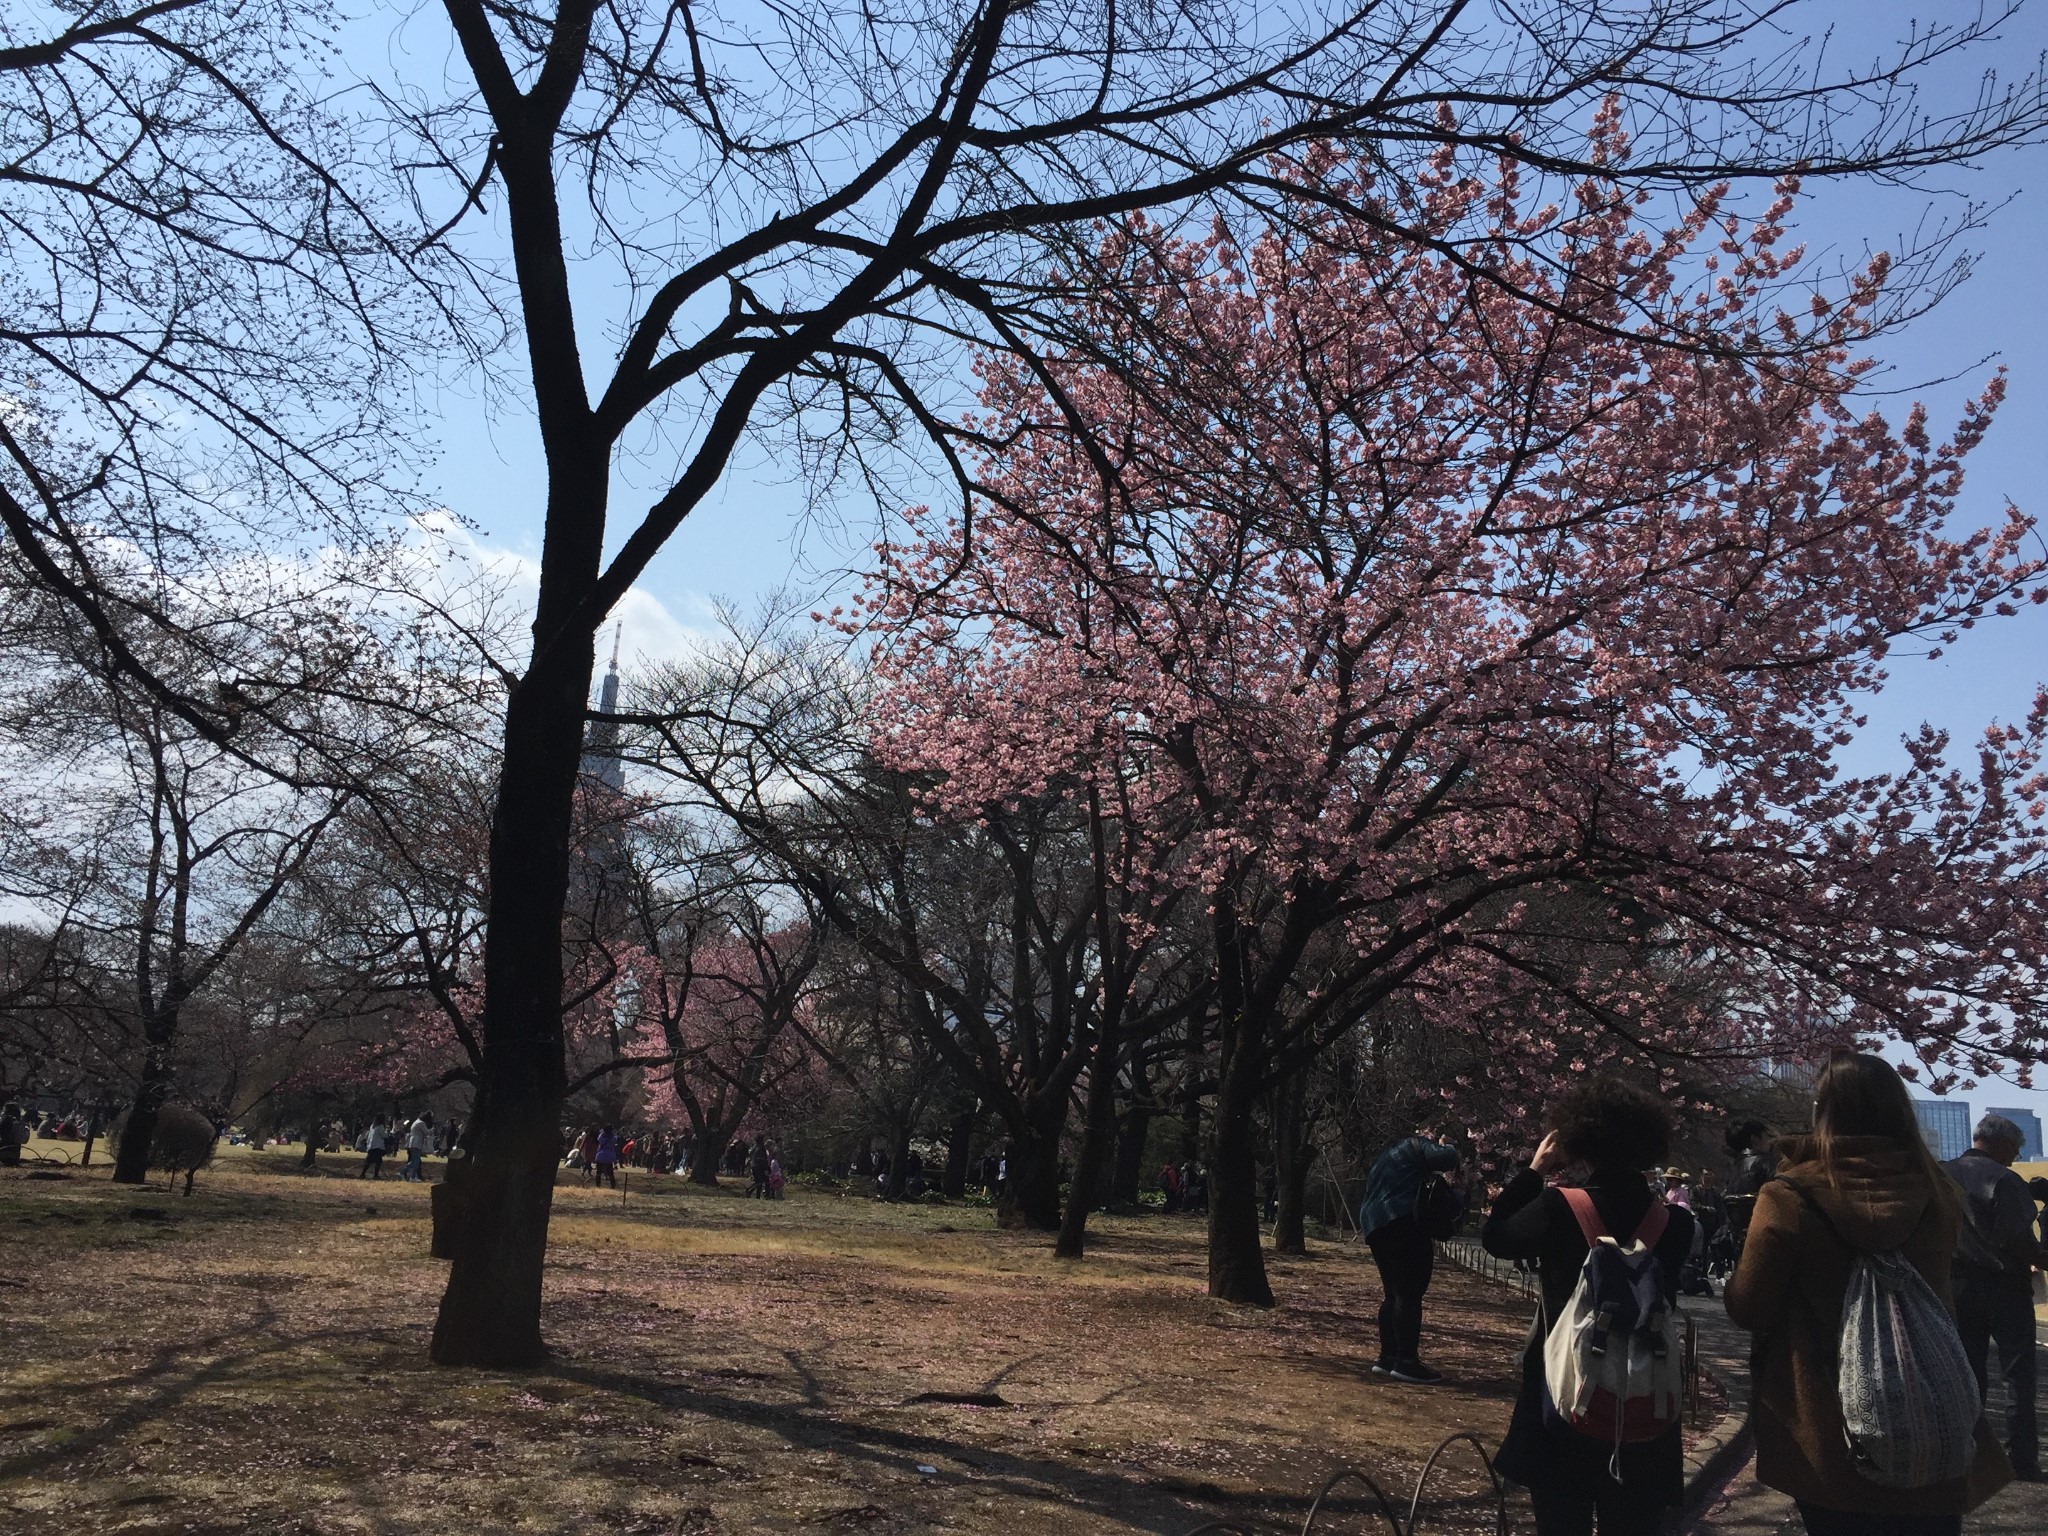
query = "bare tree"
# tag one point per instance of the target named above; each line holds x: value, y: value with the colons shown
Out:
x: 205, y: 328
x: 160, y: 851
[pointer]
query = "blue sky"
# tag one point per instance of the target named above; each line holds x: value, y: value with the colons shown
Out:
x: 752, y: 536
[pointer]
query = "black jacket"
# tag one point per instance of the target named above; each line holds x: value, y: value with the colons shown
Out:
x: 1531, y: 1221
x: 2001, y: 1209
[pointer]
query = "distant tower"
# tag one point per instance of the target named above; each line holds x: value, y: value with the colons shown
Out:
x: 601, y: 747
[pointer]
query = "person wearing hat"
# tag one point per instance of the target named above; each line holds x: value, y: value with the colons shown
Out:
x: 1675, y: 1192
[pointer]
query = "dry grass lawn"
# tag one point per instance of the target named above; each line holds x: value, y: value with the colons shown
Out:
x: 253, y: 1359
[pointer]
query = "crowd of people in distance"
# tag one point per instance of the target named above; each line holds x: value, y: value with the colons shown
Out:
x: 1185, y: 1187
x: 417, y: 1136
x: 598, y: 1152
x: 1835, y: 1244
x: 386, y: 1134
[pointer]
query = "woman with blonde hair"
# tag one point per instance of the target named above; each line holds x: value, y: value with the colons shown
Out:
x: 1861, y: 1182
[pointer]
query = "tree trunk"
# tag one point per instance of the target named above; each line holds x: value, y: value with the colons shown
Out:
x: 491, y: 1218
x: 1032, y: 1198
x: 1191, y: 1093
x: 312, y: 1150
x: 131, y: 1157
x: 1127, y: 1179
x: 491, y: 1212
x: 1290, y: 1227
x: 707, y: 1155
x: 1237, y: 1260
x: 1098, y: 1136
x: 959, y: 1147
x: 1291, y: 1156
x: 899, y: 1163
x: 93, y: 1123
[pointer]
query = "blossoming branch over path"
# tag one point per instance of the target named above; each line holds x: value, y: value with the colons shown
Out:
x: 249, y: 1360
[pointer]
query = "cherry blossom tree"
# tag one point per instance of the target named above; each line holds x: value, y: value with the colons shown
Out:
x: 1025, y: 956
x: 731, y: 1021
x: 1405, y: 587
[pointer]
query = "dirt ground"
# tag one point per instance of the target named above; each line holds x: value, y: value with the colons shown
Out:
x: 253, y: 1359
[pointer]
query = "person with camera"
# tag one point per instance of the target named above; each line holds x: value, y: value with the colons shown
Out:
x: 1406, y: 1204
x: 1603, y: 1134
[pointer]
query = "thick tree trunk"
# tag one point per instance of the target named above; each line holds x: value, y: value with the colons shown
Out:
x: 491, y: 1213
x: 707, y: 1152
x: 131, y: 1158
x: 1032, y: 1198
x: 1098, y: 1136
x: 899, y: 1163
x: 1127, y: 1179
x: 959, y: 1147
x: 491, y: 1219
x: 312, y: 1150
x: 1237, y: 1260
x: 1290, y: 1226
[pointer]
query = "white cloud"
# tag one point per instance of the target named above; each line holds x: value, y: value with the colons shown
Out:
x: 453, y: 557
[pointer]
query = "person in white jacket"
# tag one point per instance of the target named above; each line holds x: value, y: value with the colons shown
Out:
x: 376, y: 1142
x: 417, y: 1135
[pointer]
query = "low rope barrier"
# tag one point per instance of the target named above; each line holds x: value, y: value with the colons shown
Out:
x: 1386, y: 1507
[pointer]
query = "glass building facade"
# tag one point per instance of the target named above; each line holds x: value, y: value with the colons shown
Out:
x: 1946, y: 1124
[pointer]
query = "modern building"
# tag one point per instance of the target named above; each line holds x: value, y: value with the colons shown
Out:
x: 2030, y: 1131
x: 1946, y: 1124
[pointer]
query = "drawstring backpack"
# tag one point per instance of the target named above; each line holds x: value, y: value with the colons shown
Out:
x: 1909, y: 1398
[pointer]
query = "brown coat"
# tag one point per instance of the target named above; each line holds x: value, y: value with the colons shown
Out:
x: 1788, y: 1291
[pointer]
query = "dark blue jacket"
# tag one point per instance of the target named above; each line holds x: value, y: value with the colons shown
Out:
x: 2001, y: 1209
x: 1397, y: 1178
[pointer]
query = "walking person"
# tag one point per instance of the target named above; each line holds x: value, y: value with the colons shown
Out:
x: 1861, y: 1183
x: 417, y: 1135
x: 1403, y: 1250
x: 606, y: 1157
x: 1605, y: 1132
x: 1994, y: 1280
x: 376, y: 1142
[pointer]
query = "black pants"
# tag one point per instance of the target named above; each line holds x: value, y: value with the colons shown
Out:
x: 1406, y: 1258
x: 373, y: 1166
x: 1845, y: 1522
x: 2001, y: 1309
x: 1568, y: 1512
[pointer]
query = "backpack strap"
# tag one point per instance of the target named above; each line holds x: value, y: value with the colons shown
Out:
x: 1587, y: 1215
x: 1650, y: 1230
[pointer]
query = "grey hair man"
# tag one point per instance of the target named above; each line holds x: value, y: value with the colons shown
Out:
x: 1996, y: 1257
